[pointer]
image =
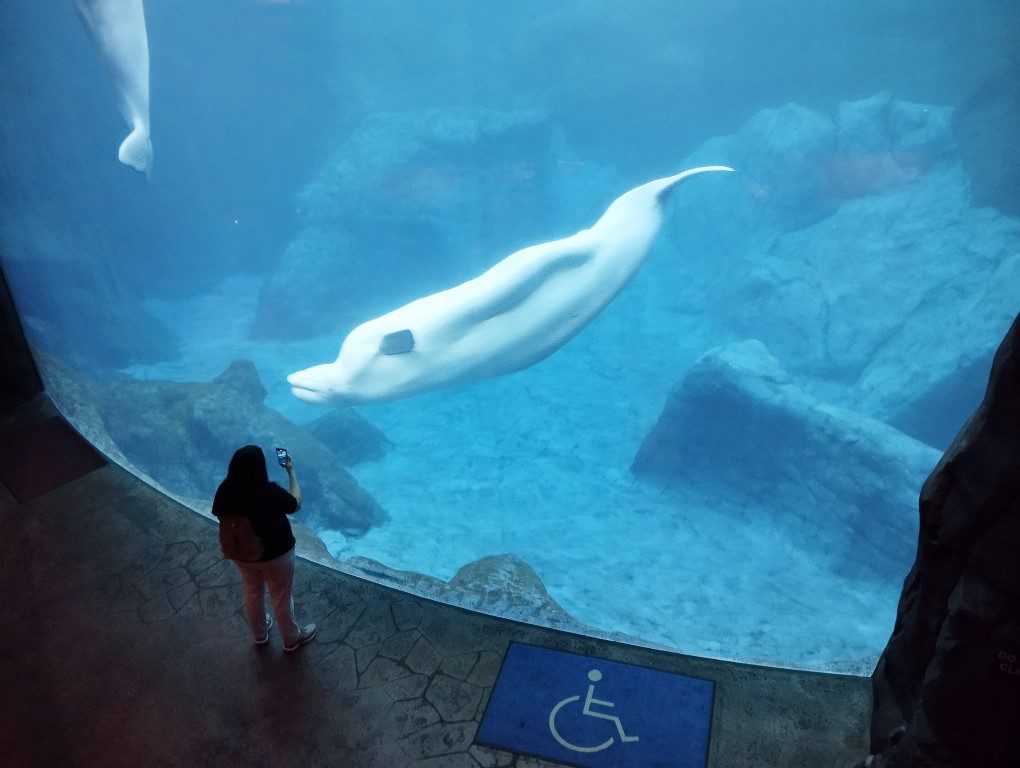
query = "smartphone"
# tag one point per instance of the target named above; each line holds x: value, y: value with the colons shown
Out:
x: 282, y: 456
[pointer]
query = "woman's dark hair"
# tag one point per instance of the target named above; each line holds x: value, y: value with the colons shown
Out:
x: 247, y: 467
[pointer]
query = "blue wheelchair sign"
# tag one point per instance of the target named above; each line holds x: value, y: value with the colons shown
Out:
x: 597, y: 713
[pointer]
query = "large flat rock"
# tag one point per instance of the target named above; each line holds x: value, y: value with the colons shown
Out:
x: 740, y: 428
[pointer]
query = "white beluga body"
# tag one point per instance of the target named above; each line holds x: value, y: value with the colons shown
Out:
x: 118, y: 29
x: 512, y: 316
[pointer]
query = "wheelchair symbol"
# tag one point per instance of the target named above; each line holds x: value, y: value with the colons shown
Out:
x: 594, y: 676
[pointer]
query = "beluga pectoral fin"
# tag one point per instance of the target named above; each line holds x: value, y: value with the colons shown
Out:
x: 118, y: 29
x: 517, y: 313
x: 397, y: 343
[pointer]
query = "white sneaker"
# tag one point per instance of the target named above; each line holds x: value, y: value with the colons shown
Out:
x: 307, y: 633
x: 269, y: 626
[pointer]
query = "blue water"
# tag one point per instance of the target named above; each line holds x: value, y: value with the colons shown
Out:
x: 320, y: 163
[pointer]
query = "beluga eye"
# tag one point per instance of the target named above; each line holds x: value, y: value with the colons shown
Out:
x: 397, y: 343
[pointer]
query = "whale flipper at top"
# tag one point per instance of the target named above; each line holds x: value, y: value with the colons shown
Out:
x: 118, y: 29
x: 515, y: 314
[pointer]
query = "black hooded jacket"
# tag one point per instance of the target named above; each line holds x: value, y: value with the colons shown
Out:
x: 247, y: 491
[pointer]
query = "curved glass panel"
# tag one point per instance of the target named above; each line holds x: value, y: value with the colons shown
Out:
x: 695, y: 411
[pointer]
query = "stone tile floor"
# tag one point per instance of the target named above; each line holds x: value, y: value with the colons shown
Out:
x: 124, y: 644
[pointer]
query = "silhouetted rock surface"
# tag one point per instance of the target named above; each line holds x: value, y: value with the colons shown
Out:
x: 949, y: 679
x: 739, y: 426
x: 182, y: 435
x: 19, y: 379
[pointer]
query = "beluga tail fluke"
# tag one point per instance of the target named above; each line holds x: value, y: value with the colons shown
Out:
x: 512, y: 316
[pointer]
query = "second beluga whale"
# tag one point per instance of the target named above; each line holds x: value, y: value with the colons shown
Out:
x: 118, y: 29
x: 510, y: 317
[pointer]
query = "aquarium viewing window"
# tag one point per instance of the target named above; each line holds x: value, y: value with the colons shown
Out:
x: 641, y: 319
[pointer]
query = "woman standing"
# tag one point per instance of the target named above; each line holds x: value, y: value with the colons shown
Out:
x: 249, y: 502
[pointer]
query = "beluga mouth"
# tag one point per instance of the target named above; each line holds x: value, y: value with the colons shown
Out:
x: 306, y: 386
x: 310, y: 395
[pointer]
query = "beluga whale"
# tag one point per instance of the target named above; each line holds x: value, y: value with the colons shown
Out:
x: 508, y: 318
x: 118, y: 29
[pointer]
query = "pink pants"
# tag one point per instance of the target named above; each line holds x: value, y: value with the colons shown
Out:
x: 278, y: 575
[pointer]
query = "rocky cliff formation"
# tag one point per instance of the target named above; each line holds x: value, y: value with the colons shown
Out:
x: 947, y: 689
x: 182, y: 434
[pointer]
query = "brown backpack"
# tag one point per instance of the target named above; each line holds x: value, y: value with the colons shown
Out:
x: 238, y: 539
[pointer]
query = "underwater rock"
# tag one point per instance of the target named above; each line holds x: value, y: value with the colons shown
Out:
x: 182, y: 435
x: 946, y: 689
x: 349, y: 436
x: 501, y: 585
x: 507, y: 586
x: 854, y: 296
x: 987, y: 125
x: 431, y: 165
x: 498, y: 585
x: 76, y: 397
x: 208, y: 421
x: 883, y: 143
x: 929, y: 374
x: 799, y: 165
x: 816, y: 198
x: 308, y: 544
x: 781, y: 155
x: 411, y: 202
x: 738, y: 425
x: 311, y: 288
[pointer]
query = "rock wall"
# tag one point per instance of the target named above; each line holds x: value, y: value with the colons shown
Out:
x: 849, y: 240
x: 947, y: 689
